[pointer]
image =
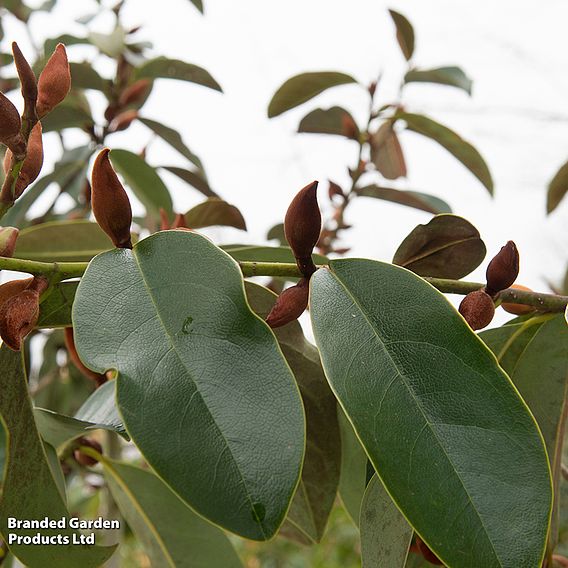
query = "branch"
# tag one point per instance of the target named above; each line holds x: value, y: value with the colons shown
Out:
x: 64, y: 270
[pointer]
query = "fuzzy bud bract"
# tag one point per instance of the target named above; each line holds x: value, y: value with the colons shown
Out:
x: 503, y: 269
x: 478, y: 309
x: 18, y: 316
x: 27, y: 77
x: 135, y: 93
x: 10, y: 125
x: 74, y: 356
x: 289, y: 305
x: 54, y: 81
x: 110, y: 202
x: 32, y: 163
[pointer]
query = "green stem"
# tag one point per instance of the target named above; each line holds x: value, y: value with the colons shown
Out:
x: 63, y: 270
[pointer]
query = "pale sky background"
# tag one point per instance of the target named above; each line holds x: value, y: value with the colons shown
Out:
x: 515, y: 52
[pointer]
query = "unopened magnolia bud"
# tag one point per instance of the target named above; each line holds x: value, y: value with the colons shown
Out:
x: 8, y: 237
x: 13, y: 288
x: 503, y: 269
x: 427, y: 553
x: 179, y: 222
x: 478, y: 309
x: 18, y: 316
x: 289, y: 305
x: 123, y: 121
x: 27, y: 77
x: 84, y: 459
x: 54, y: 81
x: 164, y: 221
x: 33, y: 162
x: 518, y: 309
x: 110, y: 202
x: 10, y: 124
x: 135, y: 93
x: 302, y: 226
x: 74, y: 356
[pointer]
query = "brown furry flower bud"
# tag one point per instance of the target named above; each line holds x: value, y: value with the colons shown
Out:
x: 18, y: 316
x: 135, y: 93
x: 54, y: 81
x: 302, y: 226
x: 110, y: 202
x: 13, y: 288
x: 85, y: 459
x: 10, y: 125
x: 27, y: 77
x: 503, y: 269
x: 33, y: 161
x: 74, y: 356
x: 123, y: 121
x: 427, y: 553
x: 8, y: 237
x: 289, y: 305
x: 478, y: 309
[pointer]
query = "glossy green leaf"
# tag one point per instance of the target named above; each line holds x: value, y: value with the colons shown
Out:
x: 404, y: 33
x: 83, y: 76
x: 451, y: 76
x: 173, y: 138
x: 266, y: 254
x: 143, y: 181
x: 334, y: 120
x: 461, y: 150
x: 427, y: 398
x: 29, y: 490
x: 385, y: 533
x: 172, y: 534
x: 55, y: 309
x: 195, y: 179
x: 447, y: 246
x: 66, y: 115
x: 301, y: 88
x: 353, y: 479
x: 415, y: 199
x: 165, y: 68
x: 62, y: 241
x: 316, y: 493
x: 213, y: 212
x: 557, y: 188
x: 386, y: 152
x: 194, y: 362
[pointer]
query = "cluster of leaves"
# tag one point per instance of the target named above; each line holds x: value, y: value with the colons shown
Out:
x: 441, y: 443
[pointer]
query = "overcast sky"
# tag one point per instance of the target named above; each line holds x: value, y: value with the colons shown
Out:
x: 515, y: 52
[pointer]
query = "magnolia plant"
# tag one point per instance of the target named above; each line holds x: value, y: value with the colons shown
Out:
x: 444, y: 445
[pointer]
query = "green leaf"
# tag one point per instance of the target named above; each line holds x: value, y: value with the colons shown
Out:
x: 66, y: 115
x: 83, y: 76
x: 404, y: 34
x: 98, y: 412
x: 301, y: 88
x: 213, y: 212
x: 165, y: 68
x: 6, y: 59
x: 195, y: 179
x: 62, y: 241
x: 557, y: 188
x: 173, y: 138
x: 427, y: 398
x: 198, y: 375
x: 415, y: 199
x: 461, y: 150
x: 29, y: 490
x: 451, y: 76
x: 257, y: 253
x: 143, y: 181
x: 66, y: 39
x: 353, y: 479
x: 334, y: 120
x: 112, y: 44
x: 385, y: 533
x: 198, y: 4
x: 386, y: 152
x: 55, y: 309
x: 316, y: 493
x: 448, y: 246
x: 172, y: 534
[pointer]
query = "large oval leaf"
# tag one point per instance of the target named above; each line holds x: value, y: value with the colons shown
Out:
x: 451, y: 76
x: 404, y: 33
x: 172, y: 534
x: 557, y: 188
x: 202, y: 385
x: 29, y: 490
x: 334, y: 120
x: 385, y: 533
x: 143, y: 181
x: 415, y: 199
x: 448, y: 246
x: 452, y: 142
x: 215, y: 211
x: 301, y: 88
x: 62, y: 241
x: 451, y: 439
